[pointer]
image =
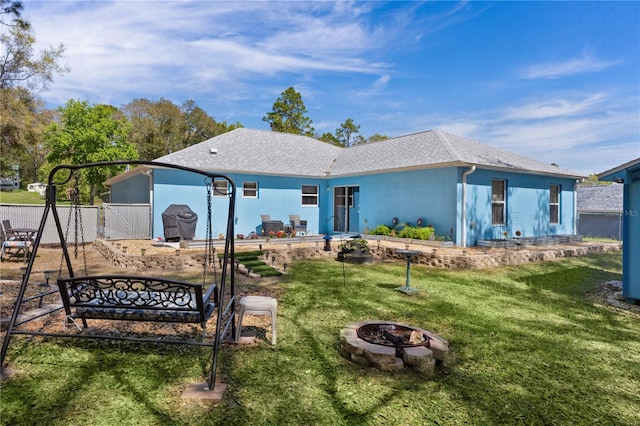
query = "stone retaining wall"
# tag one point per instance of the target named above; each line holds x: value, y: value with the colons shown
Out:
x: 478, y: 259
x: 139, y: 262
x: 446, y: 258
x: 473, y: 258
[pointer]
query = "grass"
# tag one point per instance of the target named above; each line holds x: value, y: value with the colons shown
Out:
x: 601, y: 240
x: 25, y: 197
x: 21, y: 197
x: 529, y: 345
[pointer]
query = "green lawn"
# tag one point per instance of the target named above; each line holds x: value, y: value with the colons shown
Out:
x: 26, y: 197
x: 21, y: 197
x: 528, y: 346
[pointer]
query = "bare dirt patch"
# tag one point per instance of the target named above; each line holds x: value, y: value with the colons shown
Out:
x: 49, y: 259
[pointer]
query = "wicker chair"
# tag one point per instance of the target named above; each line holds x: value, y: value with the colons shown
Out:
x: 299, y: 226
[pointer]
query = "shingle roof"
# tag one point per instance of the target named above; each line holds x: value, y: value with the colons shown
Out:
x: 264, y: 152
x: 599, y: 198
x: 631, y: 165
x: 258, y: 151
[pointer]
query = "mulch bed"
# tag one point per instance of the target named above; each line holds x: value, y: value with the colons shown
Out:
x: 50, y: 259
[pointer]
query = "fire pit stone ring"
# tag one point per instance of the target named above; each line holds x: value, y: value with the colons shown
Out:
x: 422, y: 354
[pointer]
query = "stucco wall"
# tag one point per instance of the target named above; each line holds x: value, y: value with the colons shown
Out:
x: 631, y: 240
x: 527, y: 206
x: 408, y: 195
x: 277, y: 196
x: 432, y: 195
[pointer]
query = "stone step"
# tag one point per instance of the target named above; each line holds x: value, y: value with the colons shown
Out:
x: 39, y: 312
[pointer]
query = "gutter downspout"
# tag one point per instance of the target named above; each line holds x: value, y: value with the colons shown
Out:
x: 149, y: 174
x: 464, y: 204
x: 575, y: 207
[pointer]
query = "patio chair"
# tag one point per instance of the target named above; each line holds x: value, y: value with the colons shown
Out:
x: 13, y: 243
x: 269, y: 225
x: 296, y: 224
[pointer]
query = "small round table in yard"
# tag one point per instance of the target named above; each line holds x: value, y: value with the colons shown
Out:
x: 408, y: 254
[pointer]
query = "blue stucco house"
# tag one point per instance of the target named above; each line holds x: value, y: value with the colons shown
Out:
x: 466, y: 190
x: 629, y: 175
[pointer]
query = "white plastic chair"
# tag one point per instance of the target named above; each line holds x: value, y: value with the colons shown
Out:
x: 258, y: 305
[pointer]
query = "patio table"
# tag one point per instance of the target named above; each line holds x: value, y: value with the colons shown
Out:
x: 24, y: 235
x: 408, y: 254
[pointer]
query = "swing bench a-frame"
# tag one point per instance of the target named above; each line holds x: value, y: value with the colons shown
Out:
x: 127, y: 297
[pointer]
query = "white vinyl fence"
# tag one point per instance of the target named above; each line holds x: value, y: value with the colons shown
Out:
x: 126, y: 221
x: 114, y: 221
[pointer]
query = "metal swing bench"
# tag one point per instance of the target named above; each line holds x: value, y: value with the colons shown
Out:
x: 138, y: 298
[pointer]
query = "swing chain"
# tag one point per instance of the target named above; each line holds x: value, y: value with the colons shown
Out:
x: 209, y: 249
x: 77, y: 215
x: 78, y: 221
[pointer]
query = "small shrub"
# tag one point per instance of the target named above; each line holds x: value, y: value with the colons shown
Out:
x: 424, y: 233
x: 351, y: 245
x: 404, y: 230
x: 381, y: 230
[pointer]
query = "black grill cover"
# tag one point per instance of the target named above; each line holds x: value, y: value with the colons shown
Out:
x: 179, y: 221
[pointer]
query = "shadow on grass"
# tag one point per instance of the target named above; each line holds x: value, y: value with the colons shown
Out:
x: 528, y: 346
x: 388, y: 286
x: 78, y: 379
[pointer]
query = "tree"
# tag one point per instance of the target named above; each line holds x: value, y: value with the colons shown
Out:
x: 12, y: 7
x: 22, y: 74
x: 593, y: 180
x: 87, y: 134
x: 201, y: 126
x: 329, y: 138
x: 288, y: 114
x: 157, y: 127
x: 161, y: 127
x: 347, y: 133
x: 22, y: 122
x: 19, y: 66
x: 377, y: 138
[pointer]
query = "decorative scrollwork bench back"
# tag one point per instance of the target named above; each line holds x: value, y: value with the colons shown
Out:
x: 137, y: 299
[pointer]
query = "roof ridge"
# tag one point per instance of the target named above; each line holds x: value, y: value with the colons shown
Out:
x: 444, y: 138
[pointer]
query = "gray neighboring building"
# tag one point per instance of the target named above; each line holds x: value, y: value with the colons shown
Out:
x: 600, y: 210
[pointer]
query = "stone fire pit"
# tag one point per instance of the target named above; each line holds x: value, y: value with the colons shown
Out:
x: 398, y: 346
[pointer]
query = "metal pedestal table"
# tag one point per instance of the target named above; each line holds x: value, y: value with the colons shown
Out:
x: 407, y: 289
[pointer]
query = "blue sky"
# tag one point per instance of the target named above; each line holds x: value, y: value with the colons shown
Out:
x: 555, y: 81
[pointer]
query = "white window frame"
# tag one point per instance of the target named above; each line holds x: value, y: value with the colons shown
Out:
x: 251, y: 191
x: 554, y: 205
x: 498, y: 202
x: 310, y: 199
x: 220, y: 187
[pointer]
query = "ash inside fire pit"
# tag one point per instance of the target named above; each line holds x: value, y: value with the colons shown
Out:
x: 391, y: 345
x: 392, y: 335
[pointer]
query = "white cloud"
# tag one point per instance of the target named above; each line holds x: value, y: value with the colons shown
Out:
x: 381, y: 82
x: 375, y: 89
x: 235, y: 57
x: 575, y: 132
x: 583, y: 63
x: 319, y: 37
x: 553, y: 108
x: 118, y: 48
